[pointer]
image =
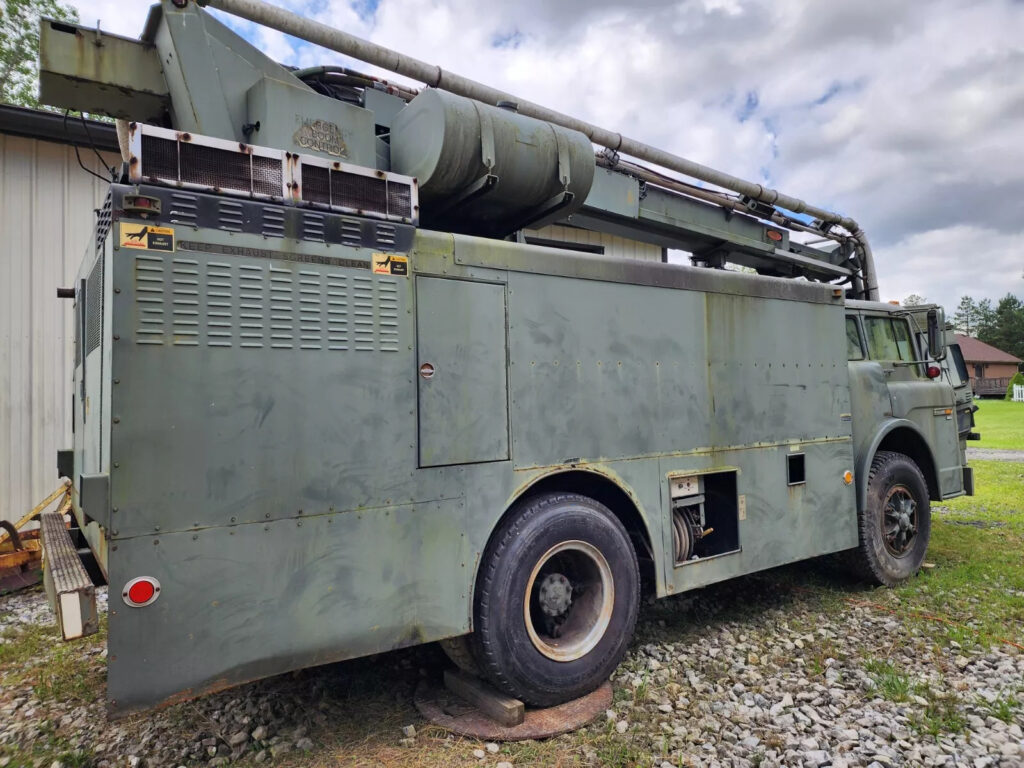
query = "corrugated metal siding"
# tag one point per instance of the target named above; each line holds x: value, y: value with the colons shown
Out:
x: 46, y: 219
x: 613, y: 244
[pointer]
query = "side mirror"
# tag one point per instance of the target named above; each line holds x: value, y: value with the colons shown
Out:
x: 936, y: 344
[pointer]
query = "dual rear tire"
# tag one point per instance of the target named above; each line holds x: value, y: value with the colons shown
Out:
x: 556, y: 601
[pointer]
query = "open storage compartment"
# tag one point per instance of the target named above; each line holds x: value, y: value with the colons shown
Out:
x: 705, y: 515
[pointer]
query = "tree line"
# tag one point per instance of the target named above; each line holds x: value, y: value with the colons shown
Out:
x: 1001, y: 325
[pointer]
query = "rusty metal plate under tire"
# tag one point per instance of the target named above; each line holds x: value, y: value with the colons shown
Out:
x: 441, y: 707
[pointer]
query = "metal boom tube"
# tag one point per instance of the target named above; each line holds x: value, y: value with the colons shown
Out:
x: 289, y: 23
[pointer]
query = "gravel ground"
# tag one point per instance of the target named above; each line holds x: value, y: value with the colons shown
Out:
x: 994, y: 454
x: 755, y: 673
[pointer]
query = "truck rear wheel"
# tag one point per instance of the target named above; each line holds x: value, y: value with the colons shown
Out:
x: 557, y: 599
x: 895, y: 524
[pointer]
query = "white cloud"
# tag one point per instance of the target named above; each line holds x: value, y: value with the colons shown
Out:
x: 908, y: 118
x: 943, y: 264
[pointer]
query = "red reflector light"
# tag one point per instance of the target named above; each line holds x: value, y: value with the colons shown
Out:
x: 773, y: 235
x: 934, y: 372
x: 140, y: 591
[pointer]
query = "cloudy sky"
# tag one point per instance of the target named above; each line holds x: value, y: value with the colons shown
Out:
x: 906, y: 115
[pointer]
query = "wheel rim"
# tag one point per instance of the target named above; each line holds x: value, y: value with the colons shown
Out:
x: 569, y: 599
x: 899, y: 522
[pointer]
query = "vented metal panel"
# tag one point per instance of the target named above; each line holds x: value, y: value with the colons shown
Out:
x: 184, y: 208
x: 399, y: 200
x: 359, y: 192
x: 186, y: 302
x: 160, y: 157
x: 215, y: 165
x: 94, y: 306
x: 103, y: 219
x: 210, y: 164
x: 316, y: 184
x: 212, y: 167
x: 367, y: 194
x: 267, y: 175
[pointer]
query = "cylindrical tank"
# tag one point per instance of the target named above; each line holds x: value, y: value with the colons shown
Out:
x: 487, y: 168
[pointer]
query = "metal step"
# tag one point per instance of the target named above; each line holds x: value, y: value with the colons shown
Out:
x: 71, y: 592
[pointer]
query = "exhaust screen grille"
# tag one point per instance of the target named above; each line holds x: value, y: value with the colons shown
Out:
x: 212, y: 167
x: 316, y: 184
x: 362, y: 193
x: 356, y: 192
x: 222, y: 166
x: 160, y: 157
x: 399, y: 199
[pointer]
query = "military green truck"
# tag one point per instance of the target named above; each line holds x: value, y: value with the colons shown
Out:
x: 361, y: 366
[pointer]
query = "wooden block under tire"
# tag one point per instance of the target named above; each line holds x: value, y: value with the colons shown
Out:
x: 499, y: 707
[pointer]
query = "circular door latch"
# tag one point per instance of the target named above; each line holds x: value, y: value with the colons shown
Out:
x: 427, y: 370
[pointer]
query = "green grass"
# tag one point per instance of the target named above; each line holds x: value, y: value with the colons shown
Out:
x: 36, y: 655
x: 1003, y: 708
x: 889, y: 683
x: 1001, y: 424
x: 998, y: 495
x: 977, y: 584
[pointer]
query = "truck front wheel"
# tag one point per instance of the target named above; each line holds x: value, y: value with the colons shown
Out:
x: 556, y: 600
x: 895, y: 524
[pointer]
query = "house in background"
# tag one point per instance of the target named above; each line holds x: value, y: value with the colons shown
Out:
x: 990, y: 369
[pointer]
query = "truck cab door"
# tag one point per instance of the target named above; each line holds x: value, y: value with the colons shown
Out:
x: 928, y: 403
x: 955, y: 370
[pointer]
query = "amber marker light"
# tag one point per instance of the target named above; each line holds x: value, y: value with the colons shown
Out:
x: 848, y: 477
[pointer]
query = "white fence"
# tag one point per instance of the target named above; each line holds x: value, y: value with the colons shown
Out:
x: 1018, y: 393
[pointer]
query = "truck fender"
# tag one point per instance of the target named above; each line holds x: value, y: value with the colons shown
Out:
x: 607, y: 487
x: 921, y: 454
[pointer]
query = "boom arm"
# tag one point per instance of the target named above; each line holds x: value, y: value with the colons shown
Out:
x: 192, y: 73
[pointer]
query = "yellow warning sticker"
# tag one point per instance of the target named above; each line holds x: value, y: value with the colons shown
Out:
x: 146, y: 237
x: 390, y: 264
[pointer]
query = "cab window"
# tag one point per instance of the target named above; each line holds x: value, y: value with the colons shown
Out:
x: 889, y: 339
x: 854, y: 346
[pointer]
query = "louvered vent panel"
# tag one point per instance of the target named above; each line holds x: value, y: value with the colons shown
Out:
x: 224, y: 304
x: 273, y: 222
x: 351, y: 232
x: 337, y: 311
x: 385, y: 236
x: 94, y: 306
x: 149, y: 299
x: 185, y: 302
x: 229, y: 215
x: 387, y: 314
x: 363, y: 323
x: 310, y: 310
x: 103, y: 219
x: 313, y: 226
x: 251, y: 301
x: 220, y: 308
x: 184, y: 208
x: 282, y: 309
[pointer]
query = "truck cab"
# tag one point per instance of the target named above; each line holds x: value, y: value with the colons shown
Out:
x: 904, y: 397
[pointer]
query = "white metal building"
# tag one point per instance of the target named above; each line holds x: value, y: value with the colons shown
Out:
x: 46, y: 217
